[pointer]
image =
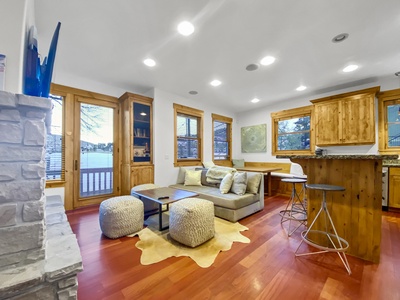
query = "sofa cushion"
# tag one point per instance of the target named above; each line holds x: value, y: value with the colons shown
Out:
x: 229, y: 200
x: 253, y: 182
x: 192, y: 177
x: 226, y: 184
x: 239, y: 183
x: 238, y: 163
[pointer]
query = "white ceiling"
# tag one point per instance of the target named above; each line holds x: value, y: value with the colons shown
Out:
x: 107, y: 41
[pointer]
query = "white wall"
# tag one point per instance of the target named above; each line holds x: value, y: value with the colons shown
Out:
x: 163, y: 129
x: 16, y: 17
x: 263, y: 116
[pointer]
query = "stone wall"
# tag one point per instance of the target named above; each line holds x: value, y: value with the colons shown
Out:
x: 39, y: 254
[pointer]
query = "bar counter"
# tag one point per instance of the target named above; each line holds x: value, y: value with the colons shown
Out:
x: 357, y: 211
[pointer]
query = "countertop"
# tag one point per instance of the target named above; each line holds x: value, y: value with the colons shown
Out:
x: 387, y: 158
x: 391, y: 163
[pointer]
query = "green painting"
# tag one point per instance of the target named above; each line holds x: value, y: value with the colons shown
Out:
x: 254, y: 138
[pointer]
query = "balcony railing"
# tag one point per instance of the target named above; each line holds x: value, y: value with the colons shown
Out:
x: 96, y: 181
x: 93, y: 181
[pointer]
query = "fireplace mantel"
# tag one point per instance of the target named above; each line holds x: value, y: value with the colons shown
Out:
x: 39, y: 254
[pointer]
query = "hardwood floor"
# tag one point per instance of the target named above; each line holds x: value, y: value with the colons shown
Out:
x: 264, y: 269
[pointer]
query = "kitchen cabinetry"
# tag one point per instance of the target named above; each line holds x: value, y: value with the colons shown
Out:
x: 137, y: 141
x: 345, y: 119
x: 394, y: 187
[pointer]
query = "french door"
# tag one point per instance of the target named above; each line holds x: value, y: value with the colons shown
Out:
x: 95, y: 151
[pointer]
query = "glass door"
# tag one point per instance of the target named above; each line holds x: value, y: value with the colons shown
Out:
x: 95, y: 158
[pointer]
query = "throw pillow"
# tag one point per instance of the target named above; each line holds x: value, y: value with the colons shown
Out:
x: 226, y: 183
x: 238, y: 163
x: 208, y: 164
x: 192, y: 177
x: 239, y: 183
x: 181, y: 175
x: 253, y: 182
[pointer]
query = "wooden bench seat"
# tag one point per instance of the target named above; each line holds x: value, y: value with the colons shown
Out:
x: 277, y: 186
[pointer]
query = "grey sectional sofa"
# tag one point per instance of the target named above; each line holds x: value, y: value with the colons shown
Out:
x: 228, y: 206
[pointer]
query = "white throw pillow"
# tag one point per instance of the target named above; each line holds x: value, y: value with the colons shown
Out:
x: 226, y: 183
x: 208, y: 164
x: 192, y: 177
x: 239, y: 184
x: 253, y: 182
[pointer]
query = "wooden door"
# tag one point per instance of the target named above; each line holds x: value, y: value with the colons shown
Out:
x: 95, y: 157
x: 328, y: 123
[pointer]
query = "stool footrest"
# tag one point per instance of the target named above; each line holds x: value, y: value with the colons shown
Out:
x: 294, y: 215
x: 344, y: 247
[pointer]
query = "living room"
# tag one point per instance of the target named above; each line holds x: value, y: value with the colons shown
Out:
x: 23, y: 14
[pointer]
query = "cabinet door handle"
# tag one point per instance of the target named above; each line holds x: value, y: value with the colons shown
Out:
x: 76, y: 165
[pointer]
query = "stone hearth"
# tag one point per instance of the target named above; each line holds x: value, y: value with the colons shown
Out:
x: 39, y: 254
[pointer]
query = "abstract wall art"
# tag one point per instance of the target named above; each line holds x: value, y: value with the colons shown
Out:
x: 254, y: 138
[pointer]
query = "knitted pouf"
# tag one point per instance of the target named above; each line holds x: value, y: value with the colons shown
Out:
x: 191, y: 221
x: 145, y: 186
x: 120, y: 216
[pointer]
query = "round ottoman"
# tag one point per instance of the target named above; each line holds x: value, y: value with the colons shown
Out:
x: 120, y: 216
x: 191, y: 221
x: 145, y: 186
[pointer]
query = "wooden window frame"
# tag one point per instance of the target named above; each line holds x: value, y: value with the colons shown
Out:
x: 228, y: 121
x: 384, y: 99
x: 291, y: 114
x: 51, y: 183
x: 192, y: 112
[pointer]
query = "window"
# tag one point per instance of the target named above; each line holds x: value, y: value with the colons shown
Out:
x: 55, y: 141
x: 188, y: 136
x: 389, y: 122
x: 222, y: 138
x: 292, y: 131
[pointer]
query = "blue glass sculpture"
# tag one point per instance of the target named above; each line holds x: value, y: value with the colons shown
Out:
x: 38, y: 77
x: 32, y: 66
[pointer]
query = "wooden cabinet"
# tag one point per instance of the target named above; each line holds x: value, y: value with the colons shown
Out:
x: 137, y: 141
x: 394, y: 187
x: 346, y: 119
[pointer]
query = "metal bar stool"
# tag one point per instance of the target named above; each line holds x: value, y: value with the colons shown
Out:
x: 324, y: 240
x: 295, y: 209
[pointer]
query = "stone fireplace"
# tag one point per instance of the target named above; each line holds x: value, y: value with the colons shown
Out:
x: 39, y: 254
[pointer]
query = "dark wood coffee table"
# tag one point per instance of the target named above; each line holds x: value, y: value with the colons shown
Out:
x: 161, y: 196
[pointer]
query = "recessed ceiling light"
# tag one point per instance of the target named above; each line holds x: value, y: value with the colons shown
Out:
x: 252, y: 67
x: 301, y: 88
x: 350, y: 68
x: 255, y: 100
x: 185, y: 28
x: 340, y: 38
x: 193, y: 92
x: 149, y: 62
x: 215, y: 82
x: 267, y: 60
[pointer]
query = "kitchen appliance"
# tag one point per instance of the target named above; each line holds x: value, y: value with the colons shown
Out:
x: 385, y: 189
